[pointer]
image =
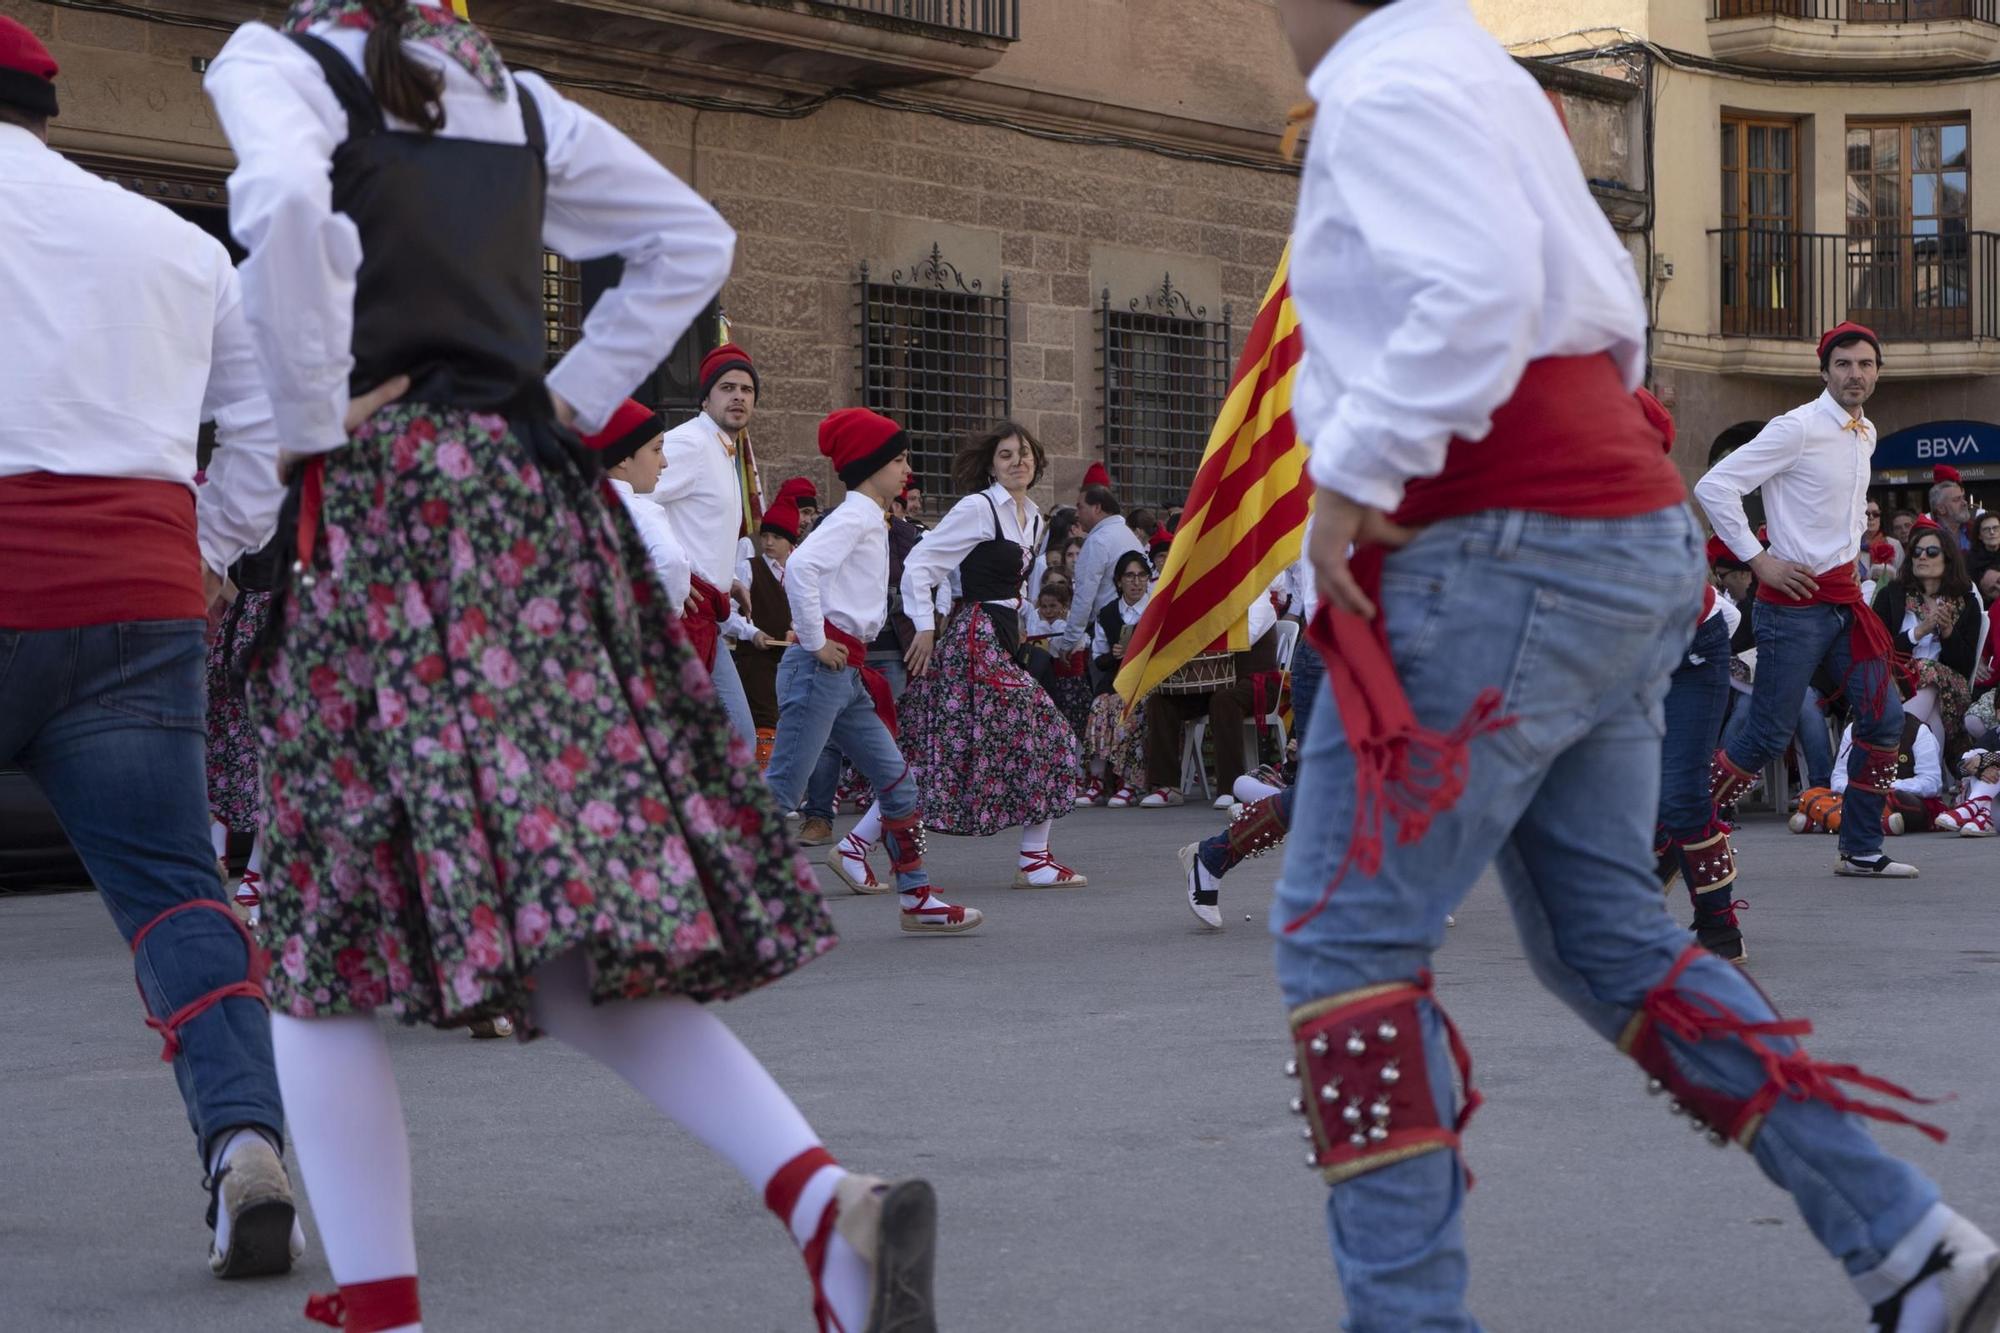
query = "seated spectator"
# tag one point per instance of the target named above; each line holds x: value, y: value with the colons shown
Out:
x: 1985, y: 552
x: 1068, y: 680
x: 1931, y: 615
x: 1226, y: 710
x: 1142, y: 521
x: 1114, y: 745
x: 1900, y: 524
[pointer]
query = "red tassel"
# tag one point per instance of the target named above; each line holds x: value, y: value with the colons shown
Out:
x: 1404, y: 774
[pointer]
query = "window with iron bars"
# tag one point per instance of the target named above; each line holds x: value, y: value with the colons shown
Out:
x: 934, y: 355
x: 570, y: 289
x: 1164, y: 371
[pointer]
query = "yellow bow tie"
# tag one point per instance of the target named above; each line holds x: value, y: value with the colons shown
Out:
x: 1296, y: 120
x: 1855, y: 424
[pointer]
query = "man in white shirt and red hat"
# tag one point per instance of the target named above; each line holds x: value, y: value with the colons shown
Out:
x: 1813, y: 465
x: 707, y: 492
x: 1523, y: 575
x: 123, y: 330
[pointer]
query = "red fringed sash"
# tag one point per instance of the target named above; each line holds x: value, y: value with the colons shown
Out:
x: 703, y: 628
x: 1403, y: 773
x: 875, y: 681
x: 1868, y: 638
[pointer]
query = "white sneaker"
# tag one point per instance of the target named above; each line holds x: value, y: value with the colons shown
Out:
x: 1204, y: 894
x: 1225, y: 801
x: 1160, y: 798
x: 1956, y: 1291
x: 1249, y: 790
x: 1878, y: 866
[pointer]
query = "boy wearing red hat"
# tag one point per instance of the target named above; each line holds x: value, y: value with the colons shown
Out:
x: 1813, y: 466
x: 778, y: 534
x: 1508, y: 576
x: 837, y: 582
x: 121, y: 331
x: 707, y: 498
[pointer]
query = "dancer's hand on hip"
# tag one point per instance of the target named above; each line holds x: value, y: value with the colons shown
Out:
x: 918, y: 656
x: 1339, y: 525
x: 363, y: 406
x: 832, y: 654
x: 1786, y: 576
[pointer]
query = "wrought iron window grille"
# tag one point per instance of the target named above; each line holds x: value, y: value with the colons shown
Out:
x: 934, y: 354
x: 1163, y: 366
x: 562, y: 304
x: 987, y: 18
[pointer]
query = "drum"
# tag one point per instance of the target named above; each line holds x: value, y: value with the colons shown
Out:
x: 1202, y: 674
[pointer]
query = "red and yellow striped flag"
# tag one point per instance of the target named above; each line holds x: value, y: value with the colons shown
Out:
x: 1245, y: 517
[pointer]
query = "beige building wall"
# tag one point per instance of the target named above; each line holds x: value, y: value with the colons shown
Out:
x: 1195, y: 95
x: 1715, y: 382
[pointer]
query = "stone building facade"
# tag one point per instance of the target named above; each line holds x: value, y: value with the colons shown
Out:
x: 1811, y: 161
x: 1064, y: 210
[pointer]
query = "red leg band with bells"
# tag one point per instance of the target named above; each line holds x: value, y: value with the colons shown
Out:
x: 1881, y: 773
x: 1711, y: 862
x: 250, y: 988
x: 903, y: 839
x: 1726, y: 781
x: 1365, y: 1087
x: 368, y: 1307
x: 1693, y: 1017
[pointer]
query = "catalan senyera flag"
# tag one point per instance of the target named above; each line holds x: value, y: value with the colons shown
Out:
x: 1245, y: 516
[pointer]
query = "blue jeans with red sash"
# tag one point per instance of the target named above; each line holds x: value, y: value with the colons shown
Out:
x: 1793, y: 642
x: 1578, y: 622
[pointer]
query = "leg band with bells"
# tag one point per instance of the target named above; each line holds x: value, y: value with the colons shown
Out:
x: 1364, y: 1082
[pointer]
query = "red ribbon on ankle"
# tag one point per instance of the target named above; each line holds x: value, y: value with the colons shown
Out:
x: 367, y: 1307
x: 781, y: 1194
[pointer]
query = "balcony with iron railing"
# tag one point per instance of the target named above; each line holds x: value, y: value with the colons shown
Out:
x: 784, y: 44
x: 1855, y: 34
x: 1777, y: 291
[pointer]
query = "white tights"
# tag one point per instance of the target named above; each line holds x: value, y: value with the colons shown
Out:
x: 1923, y: 706
x: 346, y: 1118
x: 868, y: 830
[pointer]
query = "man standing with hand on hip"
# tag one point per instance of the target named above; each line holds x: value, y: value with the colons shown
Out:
x: 1498, y: 645
x: 1813, y: 465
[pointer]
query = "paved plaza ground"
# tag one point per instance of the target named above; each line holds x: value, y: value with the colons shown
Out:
x: 1093, y: 1084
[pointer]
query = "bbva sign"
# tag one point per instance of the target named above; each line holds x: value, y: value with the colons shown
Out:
x: 1934, y: 442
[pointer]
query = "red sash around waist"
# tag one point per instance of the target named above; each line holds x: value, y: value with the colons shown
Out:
x: 1867, y: 637
x: 1572, y: 441
x: 711, y: 608
x: 876, y: 683
x: 96, y: 551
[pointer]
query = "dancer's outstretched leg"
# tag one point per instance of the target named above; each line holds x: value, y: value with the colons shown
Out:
x: 870, y: 1255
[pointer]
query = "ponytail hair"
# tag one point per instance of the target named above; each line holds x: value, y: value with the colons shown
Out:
x: 406, y: 89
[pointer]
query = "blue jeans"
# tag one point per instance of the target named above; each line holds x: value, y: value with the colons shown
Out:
x: 819, y: 707
x: 1579, y: 622
x: 1307, y: 672
x: 110, y: 722
x: 1815, y: 742
x: 735, y: 702
x: 824, y: 784
x: 1792, y: 643
x: 1696, y: 696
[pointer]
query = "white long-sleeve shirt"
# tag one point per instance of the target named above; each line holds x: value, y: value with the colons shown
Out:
x: 1092, y: 587
x: 606, y: 196
x: 1928, y: 780
x: 1445, y: 238
x: 1814, y: 472
x: 965, y: 525
x: 701, y: 489
x: 840, y: 572
x: 670, y: 562
x: 121, y: 331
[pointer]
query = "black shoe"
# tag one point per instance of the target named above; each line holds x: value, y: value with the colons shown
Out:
x: 1724, y: 939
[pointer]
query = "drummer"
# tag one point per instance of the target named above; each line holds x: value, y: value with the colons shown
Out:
x: 1180, y: 700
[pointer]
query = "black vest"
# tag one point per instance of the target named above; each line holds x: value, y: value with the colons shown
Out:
x: 450, y: 287
x: 994, y: 570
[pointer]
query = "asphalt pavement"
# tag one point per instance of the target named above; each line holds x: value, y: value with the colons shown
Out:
x: 1093, y: 1084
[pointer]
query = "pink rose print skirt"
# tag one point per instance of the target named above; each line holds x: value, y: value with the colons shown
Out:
x: 232, y: 741
x: 990, y: 748
x: 486, y: 742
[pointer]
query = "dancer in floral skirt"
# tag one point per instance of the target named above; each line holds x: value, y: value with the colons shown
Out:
x: 498, y: 780
x: 990, y: 749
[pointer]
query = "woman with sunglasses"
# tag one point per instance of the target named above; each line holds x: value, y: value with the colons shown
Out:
x: 1933, y: 617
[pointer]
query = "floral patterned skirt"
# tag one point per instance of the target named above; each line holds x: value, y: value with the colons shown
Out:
x: 486, y: 742
x: 232, y: 742
x: 1954, y: 696
x: 989, y: 748
x: 1073, y: 696
x: 1118, y: 740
